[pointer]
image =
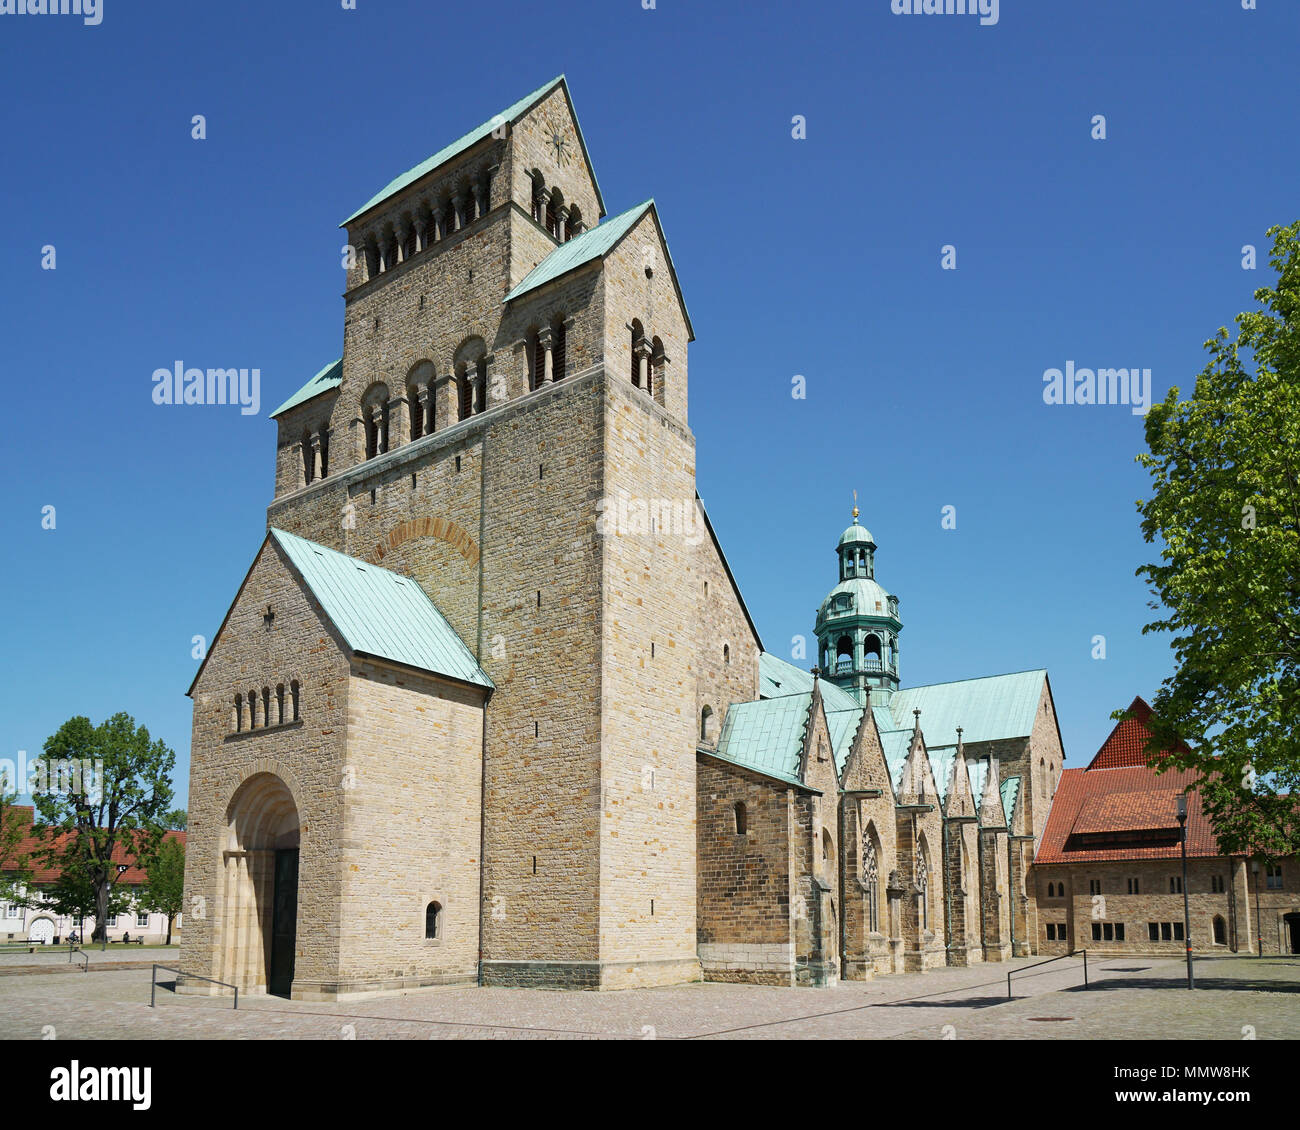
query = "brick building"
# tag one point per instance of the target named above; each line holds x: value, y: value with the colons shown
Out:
x: 489, y: 705
x: 31, y: 919
x: 1108, y: 874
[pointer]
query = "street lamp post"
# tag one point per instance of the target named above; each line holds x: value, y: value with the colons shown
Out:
x: 1187, y: 917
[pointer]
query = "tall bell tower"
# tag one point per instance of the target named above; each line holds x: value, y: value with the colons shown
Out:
x: 858, y: 624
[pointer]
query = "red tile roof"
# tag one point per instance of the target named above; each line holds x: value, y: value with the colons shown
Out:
x: 1126, y: 745
x: 30, y: 845
x: 1117, y: 798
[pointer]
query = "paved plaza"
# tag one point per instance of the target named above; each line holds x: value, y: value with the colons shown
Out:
x: 1129, y: 998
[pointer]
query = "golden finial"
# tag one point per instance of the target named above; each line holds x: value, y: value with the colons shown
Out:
x: 855, y: 506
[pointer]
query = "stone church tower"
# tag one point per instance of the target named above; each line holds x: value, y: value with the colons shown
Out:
x: 494, y: 600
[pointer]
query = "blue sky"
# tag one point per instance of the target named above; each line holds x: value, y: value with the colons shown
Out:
x: 818, y: 257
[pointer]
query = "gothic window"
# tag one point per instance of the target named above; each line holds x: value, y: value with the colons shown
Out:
x: 871, y: 880
x: 923, y: 886
x: 433, y: 920
x: 742, y: 818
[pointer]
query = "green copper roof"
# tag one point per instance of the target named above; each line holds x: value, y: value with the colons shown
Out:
x: 856, y: 534
x: 989, y: 709
x: 941, y: 764
x: 379, y: 613
x: 1010, y: 791
x: 594, y: 243
x: 866, y: 594
x: 843, y: 725
x: 457, y: 147
x: 767, y: 736
x: 977, y: 770
x: 777, y: 677
x: 329, y: 377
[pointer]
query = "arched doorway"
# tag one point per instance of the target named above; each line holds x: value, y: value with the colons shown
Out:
x: 41, y: 932
x: 260, y: 898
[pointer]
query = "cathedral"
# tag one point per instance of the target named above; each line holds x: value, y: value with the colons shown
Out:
x: 464, y: 722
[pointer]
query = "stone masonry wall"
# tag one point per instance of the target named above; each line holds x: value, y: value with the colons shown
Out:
x: 298, y: 644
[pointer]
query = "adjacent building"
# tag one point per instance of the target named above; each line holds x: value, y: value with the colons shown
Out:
x: 1108, y: 875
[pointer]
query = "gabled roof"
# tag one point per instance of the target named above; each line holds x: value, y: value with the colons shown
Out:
x: 381, y: 614
x: 461, y: 144
x: 595, y: 243
x: 844, y: 713
x: 767, y: 736
x: 988, y: 709
x: 328, y: 378
x: 1118, y: 808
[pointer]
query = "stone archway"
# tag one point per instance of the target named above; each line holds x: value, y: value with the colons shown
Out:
x: 259, y: 902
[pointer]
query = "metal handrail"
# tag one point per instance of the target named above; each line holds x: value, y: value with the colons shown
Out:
x: 85, y: 957
x: 1059, y: 957
x: 153, y: 986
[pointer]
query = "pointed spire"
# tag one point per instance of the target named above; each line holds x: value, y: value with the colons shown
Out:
x: 916, y: 726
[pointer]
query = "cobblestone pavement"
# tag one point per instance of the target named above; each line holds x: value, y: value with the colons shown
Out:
x: 1130, y: 998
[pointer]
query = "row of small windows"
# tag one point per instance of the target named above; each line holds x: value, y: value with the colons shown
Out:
x: 1133, y: 884
x: 1156, y: 931
x: 562, y: 221
x: 428, y: 222
x: 257, y: 711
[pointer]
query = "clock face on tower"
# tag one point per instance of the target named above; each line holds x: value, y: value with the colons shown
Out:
x: 555, y: 137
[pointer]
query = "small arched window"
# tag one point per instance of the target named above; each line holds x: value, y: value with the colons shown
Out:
x: 706, y: 724
x: 726, y: 653
x: 433, y: 920
x: 308, y: 463
x: 480, y: 385
x: 573, y: 223
x: 266, y: 706
x: 252, y: 710
x: 294, y: 695
x: 279, y: 702
x: 559, y: 351
x: 536, y: 361
x: 239, y: 712
x: 638, y: 345
x: 552, y: 221
x: 416, y: 412
x: 655, y: 372
x: 742, y: 818
x: 463, y: 393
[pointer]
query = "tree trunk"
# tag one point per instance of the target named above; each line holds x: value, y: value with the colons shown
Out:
x: 169, y: 930
x: 101, y: 913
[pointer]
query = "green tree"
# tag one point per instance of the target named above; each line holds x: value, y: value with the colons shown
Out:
x: 100, y: 790
x: 75, y: 893
x: 165, y: 893
x: 1225, y: 509
x: 177, y: 820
